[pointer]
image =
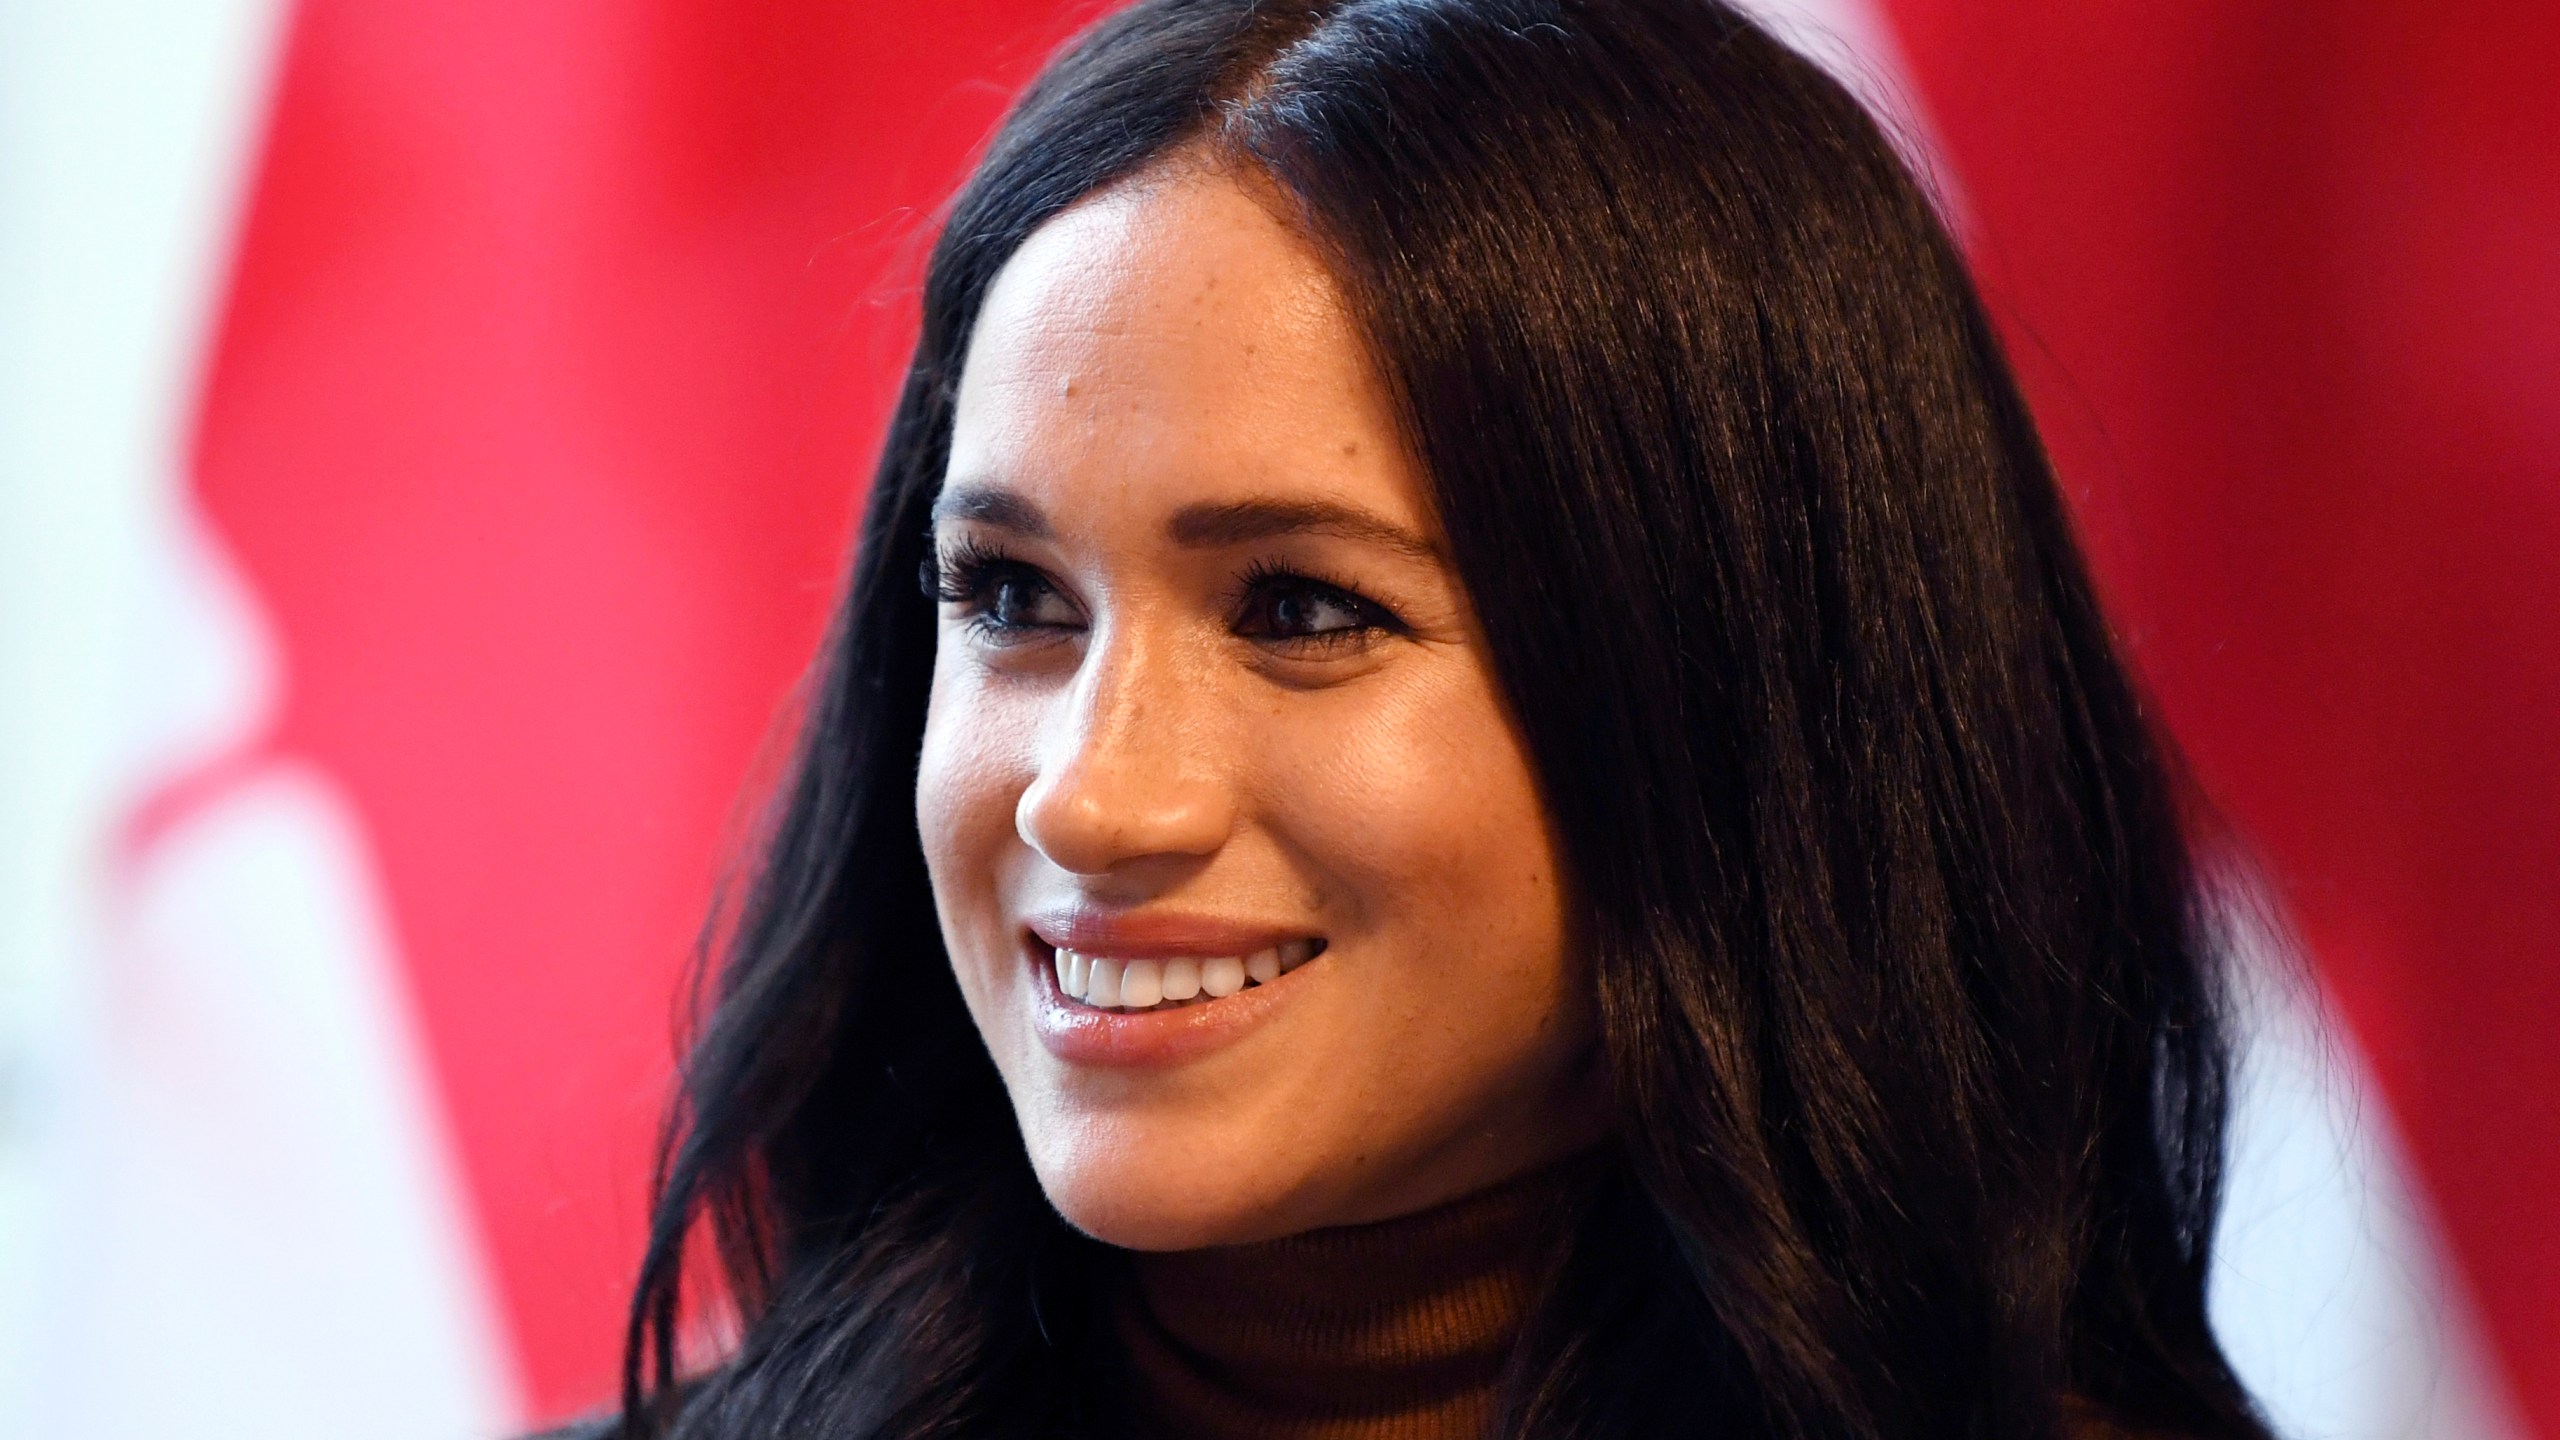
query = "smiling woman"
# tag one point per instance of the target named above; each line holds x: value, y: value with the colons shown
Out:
x: 1239, y: 858
x: 1503, y: 809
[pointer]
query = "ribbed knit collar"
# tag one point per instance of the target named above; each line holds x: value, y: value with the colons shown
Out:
x: 1394, y: 1331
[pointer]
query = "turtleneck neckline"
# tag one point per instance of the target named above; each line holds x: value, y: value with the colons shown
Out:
x: 1398, y: 1330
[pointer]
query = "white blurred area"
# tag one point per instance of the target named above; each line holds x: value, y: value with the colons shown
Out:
x: 2328, y: 1290
x: 226, y: 1208
x: 225, y: 1205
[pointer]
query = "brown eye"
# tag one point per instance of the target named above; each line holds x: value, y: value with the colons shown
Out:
x: 1016, y: 602
x: 1016, y: 599
x: 1308, y: 612
x: 1286, y: 607
x: 1003, y: 599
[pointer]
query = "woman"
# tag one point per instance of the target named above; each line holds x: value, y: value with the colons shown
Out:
x: 1504, y: 808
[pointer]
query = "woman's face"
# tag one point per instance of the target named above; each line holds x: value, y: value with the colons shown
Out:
x: 1237, y: 852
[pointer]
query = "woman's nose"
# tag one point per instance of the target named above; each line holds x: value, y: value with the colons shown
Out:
x: 1127, y: 774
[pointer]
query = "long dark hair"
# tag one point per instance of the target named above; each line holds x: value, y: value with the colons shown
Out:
x: 1904, y: 984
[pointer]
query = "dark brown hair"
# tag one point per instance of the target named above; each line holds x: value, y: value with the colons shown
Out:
x: 1904, y: 990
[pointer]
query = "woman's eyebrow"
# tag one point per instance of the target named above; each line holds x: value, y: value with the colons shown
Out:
x: 991, y: 505
x: 1236, y: 521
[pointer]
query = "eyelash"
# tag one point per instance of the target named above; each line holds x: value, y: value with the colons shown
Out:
x: 960, y: 574
x: 1263, y: 579
x: 966, y: 574
x: 967, y: 571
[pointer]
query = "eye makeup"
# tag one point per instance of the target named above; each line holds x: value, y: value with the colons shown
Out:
x: 1006, y: 598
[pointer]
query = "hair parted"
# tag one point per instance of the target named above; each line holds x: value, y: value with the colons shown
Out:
x: 1905, y: 984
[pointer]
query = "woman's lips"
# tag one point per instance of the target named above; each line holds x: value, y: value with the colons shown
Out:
x: 1108, y: 982
x: 1157, y: 990
x: 1157, y: 935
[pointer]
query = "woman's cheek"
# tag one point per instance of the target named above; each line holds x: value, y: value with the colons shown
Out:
x: 1424, y: 792
x: 970, y: 774
x: 1457, y: 835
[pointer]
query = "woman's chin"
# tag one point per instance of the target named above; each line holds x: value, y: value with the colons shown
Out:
x: 1137, y: 1210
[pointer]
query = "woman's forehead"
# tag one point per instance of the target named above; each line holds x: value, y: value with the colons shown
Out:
x: 1171, y: 342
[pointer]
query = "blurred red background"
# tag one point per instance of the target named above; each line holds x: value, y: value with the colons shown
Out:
x: 560, y: 337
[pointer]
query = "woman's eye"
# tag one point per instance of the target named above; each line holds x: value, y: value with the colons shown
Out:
x: 1004, y: 600
x: 1293, y: 608
x: 1023, y: 599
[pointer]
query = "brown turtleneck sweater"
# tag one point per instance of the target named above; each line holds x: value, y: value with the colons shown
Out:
x: 1393, y: 1331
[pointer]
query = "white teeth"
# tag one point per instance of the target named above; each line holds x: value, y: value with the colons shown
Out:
x: 1141, y: 984
x: 1221, y: 977
x: 1108, y: 984
x: 1102, y: 984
